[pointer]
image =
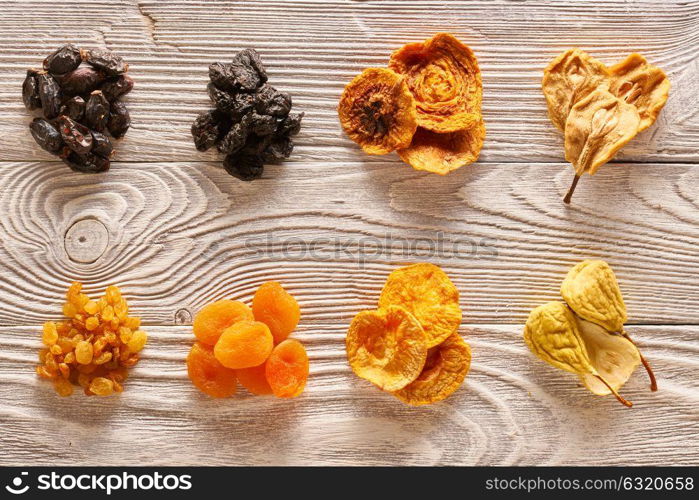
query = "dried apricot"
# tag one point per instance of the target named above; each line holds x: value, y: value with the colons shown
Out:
x: 444, y: 153
x: 207, y: 374
x: 214, y: 318
x: 387, y: 347
x: 428, y: 294
x: 276, y: 308
x: 287, y: 369
x: 377, y: 111
x: 245, y: 344
x: 254, y: 379
x: 445, y: 80
x: 445, y: 369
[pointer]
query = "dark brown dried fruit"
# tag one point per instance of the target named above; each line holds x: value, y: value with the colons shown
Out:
x: 290, y: 125
x: 101, y: 144
x: 279, y: 149
x: 119, y: 120
x: 50, y: 94
x: 64, y: 60
x: 236, y: 136
x: 244, y: 167
x: 30, y: 90
x: 76, y: 136
x: 256, y: 145
x: 80, y: 81
x: 251, y: 58
x: 97, y: 111
x: 220, y: 75
x: 269, y: 101
x: 89, y: 163
x: 236, y: 105
x: 114, y: 88
x: 262, y: 124
x: 106, y: 61
x: 74, y: 108
x: 46, y: 135
x: 206, y: 130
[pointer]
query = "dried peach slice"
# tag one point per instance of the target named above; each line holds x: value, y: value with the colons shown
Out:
x: 444, y: 153
x: 426, y: 292
x: 445, y: 369
x: 377, y: 111
x: 443, y: 75
x: 387, y: 347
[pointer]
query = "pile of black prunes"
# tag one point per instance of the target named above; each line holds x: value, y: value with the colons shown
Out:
x: 251, y: 123
x: 78, y: 93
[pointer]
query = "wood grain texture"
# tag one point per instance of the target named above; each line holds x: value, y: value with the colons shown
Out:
x: 313, y: 48
x: 175, y: 231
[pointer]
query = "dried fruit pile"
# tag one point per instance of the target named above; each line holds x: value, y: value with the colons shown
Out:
x: 410, y: 346
x: 585, y: 335
x: 600, y: 109
x: 251, y: 122
x: 249, y: 345
x: 80, y: 105
x: 427, y: 106
x: 94, y: 347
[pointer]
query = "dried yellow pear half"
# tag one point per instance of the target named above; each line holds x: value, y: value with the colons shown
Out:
x: 387, y: 347
x: 445, y: 370
x: 569, y: 78
x: 597, y: 127
x: 645, y: 86
x: 444, y: 153
x: 614, y: 357
x: 553, y: 333
x: 591, y: 290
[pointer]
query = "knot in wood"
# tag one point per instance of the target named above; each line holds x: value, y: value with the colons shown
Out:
x: 86, y: 240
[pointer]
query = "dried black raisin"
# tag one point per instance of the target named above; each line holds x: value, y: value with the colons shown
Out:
x: 74, y: 108
x: 245, y: 75
x: 252, y: 58
x: 46, y: 135
x: 80, y: 81
x: 88, y: 163
x: 243, y: 167
x: 76, y: 136
x: 269, y: 101
x: 97, y: 111
x: 278, y: 149
x: 236, y: 136
x: 220, y: 75
x: 119, y: 120
x: 206, y: 130
x: 236, y: 105
x: 290, y: 125
x: 30, y: 90
x: 116, y: 87
x: 263, y: 124
x: 105, y: 61
x: 101, y: 144
x: 50, y: 94
x: 64, y: 60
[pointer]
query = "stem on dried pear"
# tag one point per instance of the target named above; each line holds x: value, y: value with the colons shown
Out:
x: 646, y: 364
x: 616, y: 394
x: 569, y: 195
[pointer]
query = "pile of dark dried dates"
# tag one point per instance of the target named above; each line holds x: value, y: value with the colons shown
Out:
x: 80, y: 105
x: 251, y: 122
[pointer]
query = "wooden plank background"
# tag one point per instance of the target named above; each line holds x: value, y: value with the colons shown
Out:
x: 177, y: 232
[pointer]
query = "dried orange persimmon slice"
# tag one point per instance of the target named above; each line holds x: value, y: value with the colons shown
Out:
x: 428, y: 293
x: 443, y: 75
x: 445, y: 369
x: 386, y: 347
x: 444, y: 153
x: 377, y: 111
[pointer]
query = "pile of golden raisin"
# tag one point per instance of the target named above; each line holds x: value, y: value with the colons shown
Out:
x: 94, y: 347
x: 237, y: 343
